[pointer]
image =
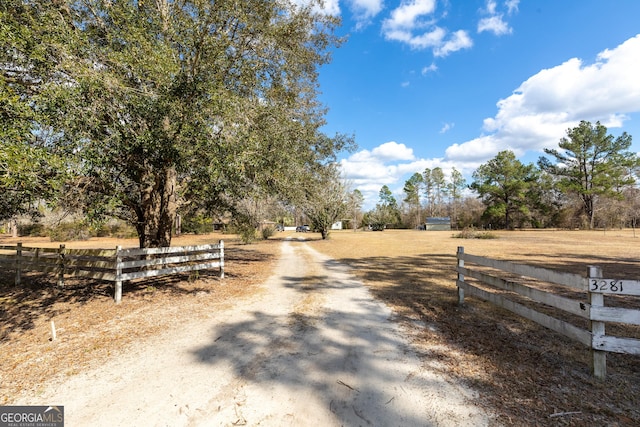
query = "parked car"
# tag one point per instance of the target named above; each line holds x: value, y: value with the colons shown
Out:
x: 303, y: 228
x: 279, y: 227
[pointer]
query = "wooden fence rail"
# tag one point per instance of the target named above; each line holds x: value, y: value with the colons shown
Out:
x: 117, y: 265
x: 593, y: 287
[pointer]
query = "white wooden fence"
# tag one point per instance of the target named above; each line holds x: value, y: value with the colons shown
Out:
x: 116, y: 265
x: 594, y: 286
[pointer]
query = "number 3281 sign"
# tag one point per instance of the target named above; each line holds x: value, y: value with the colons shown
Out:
x: 614, y: 286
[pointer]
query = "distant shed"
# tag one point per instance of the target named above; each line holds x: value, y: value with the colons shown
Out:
x: 442, y: 223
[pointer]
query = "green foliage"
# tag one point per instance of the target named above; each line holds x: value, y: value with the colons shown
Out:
x: 503, y: 184
x: 267, y: 232
x: 386, y: 212
x: 198, y: 223
x: 386, y: 197
x: 413, y: 190
x: 590, y: 164
x: 31, y: 168
x: 456, y: 184
x: 29, y: 175
x: 247, y: 233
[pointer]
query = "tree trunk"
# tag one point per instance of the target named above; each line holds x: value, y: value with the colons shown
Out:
x: 506, y: 218
x: 325, y: 233
x: 589, y: 209
x: 157, y: 210
x: 13, y: 226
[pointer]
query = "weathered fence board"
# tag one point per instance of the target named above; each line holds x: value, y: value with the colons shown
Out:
x: 172, y: 270
x: 545, y: 320
x: 616, y: 344
x: 115, y: 265
x: 575, y: 307
x: 169, y: 260
x: 168, y: 250
x: 567, y: 279
x: 616, y: 315
x: 592, y: 309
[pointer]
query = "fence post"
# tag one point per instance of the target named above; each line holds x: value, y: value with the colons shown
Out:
x: 221, y: 243
x: 61, y: 266
x: 460, y: 275
x: 599, y: 362
x: 18, y: 263
x: 118, y: 286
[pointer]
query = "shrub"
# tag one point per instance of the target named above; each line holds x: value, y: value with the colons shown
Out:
x: 247, y: 233
x: 67, y: 231
x: 486, y: 235
x: 122, y: 231
x: 472, y: 233
x: 118, y: 229
x: 34, y: 229
x: 268, y: 232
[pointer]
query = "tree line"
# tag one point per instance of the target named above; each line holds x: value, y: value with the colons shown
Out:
x: 589, y: 181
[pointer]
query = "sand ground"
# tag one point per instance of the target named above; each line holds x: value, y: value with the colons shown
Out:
x: 313, y: 347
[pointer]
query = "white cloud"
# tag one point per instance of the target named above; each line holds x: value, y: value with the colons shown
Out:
x: 393, y: 151
x: 512, y: 6
x: 542, y: 108
x: 491, y: 6
x: 447, y: 127
x: 494, y: 24
x: 459, y: 40
x: 414, y: 23
x: 428, y: 69
x: 410, y: 13
x: 364, y: 11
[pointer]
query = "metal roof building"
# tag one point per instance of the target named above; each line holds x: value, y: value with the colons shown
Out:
x: 438, y: 223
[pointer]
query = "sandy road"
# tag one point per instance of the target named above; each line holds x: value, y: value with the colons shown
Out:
x: 314, y: 349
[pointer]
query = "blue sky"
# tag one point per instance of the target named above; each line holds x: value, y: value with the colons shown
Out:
x: 450, y: 83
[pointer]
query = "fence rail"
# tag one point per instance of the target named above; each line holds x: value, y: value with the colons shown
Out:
x: 117, y: 265
x: 592, y: 308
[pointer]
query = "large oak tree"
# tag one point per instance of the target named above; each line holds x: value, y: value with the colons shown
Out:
x: 182, y: 103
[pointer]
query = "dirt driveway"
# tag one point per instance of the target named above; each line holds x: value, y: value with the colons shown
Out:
x: 312, y: 348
